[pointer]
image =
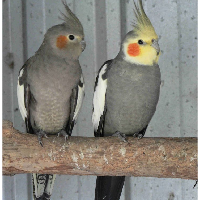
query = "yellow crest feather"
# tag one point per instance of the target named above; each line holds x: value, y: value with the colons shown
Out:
x: 142, y: 25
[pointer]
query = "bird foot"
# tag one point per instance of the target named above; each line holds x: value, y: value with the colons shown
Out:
x: 120, y: 135
x: 138, y: 135
x: 63, y: 133
x: 41, y: 134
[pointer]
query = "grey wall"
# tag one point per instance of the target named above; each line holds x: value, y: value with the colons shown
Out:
x: 105, y: 22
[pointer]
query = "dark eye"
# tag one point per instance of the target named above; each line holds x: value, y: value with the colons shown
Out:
x: 140, y: 42
x: 71, y: 37
x: 153, y: 40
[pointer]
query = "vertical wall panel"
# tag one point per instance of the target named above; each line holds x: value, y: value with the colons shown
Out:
x: 8, y: 181
x: 66, y: 187
x: 113, y: 28
x: 8, y: 64
x: 187, y: 27
x: 34, y: 25
x: 17, y: 48
x: 101, y: 34
x: 85, y: 11
x: 105, y: 24
x: 164, y: 18
x: 8, y: 188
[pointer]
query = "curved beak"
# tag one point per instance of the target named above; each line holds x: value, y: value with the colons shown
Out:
x: 155, y: 45
x: 83, y: 44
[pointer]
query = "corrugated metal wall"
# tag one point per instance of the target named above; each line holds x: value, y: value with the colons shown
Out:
x: 105, y: 23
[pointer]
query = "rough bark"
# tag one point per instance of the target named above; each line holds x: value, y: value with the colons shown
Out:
x: 148, y: 157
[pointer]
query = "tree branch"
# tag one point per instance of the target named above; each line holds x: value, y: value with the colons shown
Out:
x: 148, y: 157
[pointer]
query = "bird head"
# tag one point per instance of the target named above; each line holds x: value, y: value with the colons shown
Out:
x: 66, y: 40
x: 140, y: 45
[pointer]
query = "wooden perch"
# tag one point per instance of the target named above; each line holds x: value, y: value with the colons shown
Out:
x: 148, y: 157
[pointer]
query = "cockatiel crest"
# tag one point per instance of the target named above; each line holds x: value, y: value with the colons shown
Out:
x: 65, y: 40
x: 141, y: 44
x: 70, y: 19
x: 142, y: 25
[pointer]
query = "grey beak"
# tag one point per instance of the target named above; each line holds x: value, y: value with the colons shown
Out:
x: 83, y: 44
x: 155, y: 45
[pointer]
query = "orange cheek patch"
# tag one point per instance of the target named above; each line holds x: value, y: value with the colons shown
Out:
x: 133, y: 49
x: 61, y: 41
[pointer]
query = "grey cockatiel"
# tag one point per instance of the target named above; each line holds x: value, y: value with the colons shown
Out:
x: 51, y: 89
x: 126, y: 93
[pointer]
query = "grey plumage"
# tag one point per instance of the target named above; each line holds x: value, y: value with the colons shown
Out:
x: 131, y: 97
x: 131, y: 93
x: 126, y: 93
x: 50, y: 81
x: 51, y: 89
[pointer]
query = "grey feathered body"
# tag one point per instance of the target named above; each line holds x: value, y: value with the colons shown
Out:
x: 51, y: 81
x: 50, y: 89
x: 131, y: 97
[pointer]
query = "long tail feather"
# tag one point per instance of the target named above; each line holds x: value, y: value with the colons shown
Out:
x: 109, y: 187
x: 43, y: 186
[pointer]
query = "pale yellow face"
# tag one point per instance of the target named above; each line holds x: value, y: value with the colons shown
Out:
x: 143, y: 49
x: 141, y: 45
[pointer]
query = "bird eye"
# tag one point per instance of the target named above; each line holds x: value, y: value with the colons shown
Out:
x: 140, y: 42
x: 71, y: 37
x: 153, y: 40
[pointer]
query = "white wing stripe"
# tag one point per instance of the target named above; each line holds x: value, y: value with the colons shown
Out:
x: 99, y: 98
x: 79, y: 99
x: 20, y: 96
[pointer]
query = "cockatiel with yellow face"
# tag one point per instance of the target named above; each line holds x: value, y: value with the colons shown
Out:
x: 51, y: 89
x: 127, y: 92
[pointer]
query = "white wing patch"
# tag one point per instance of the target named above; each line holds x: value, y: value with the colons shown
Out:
x: 79, y: 99
x: 99, y: 98
x: 20, y: 96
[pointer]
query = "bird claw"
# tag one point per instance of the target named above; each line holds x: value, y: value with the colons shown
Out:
x: 138, y: 135
x: 195, y: 184
x: 120, y: 135
x: 41, y: 134
x: 63, y: 133
x: 40, y: 142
